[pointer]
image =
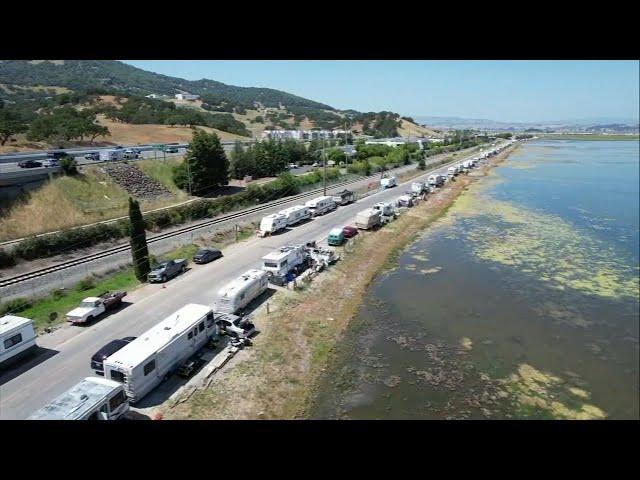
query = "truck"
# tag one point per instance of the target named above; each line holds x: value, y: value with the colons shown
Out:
x: 344, y: 197
x: 167, y: 269
x: 271, y: 224
x: 436, y: 180
x: 320, y: 206
x: 388, y: 182
x: 279, y: 264
x: 144, y: 363
x: 92, y: 399
x: 243, y: 290
x: 17, y: 339
x: 92, y: 307
x: 112, y: 155
x: 368, y: 219
x: 296, y: 214
x: 386, y: 209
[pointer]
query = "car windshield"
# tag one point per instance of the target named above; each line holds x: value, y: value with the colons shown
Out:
x: 162, y: 265
x: 86, y: 305
x: 202, y: 252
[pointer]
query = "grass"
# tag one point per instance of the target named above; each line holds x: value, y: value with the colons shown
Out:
x: 162, y: 171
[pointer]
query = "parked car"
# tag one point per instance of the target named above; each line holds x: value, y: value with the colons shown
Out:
x: 171, y: 150
x: 293, y: 165
x: 336, y: 237
x: 349, y: 231
x: 207, y: 255
x: 95, y: 156
x: 98, y: 358
x: 56, y: 154
x: 29, y: 164
x: 315, y: 164
x: 236, y: 326
x: 51, y: 162
x: 167, y: 269
x: 131, y: 153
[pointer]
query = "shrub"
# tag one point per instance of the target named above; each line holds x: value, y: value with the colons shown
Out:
x: 7, y: 259
x: 14, y: 306
x: 69, y: 165
x: 85, y: 284
x: 58, y: 293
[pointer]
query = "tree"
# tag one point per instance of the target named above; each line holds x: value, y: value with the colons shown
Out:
x: 11, y: 122
x: 69, y: 165
x: 139, y: 249
x: 421, y: 164
x: 205, y: 163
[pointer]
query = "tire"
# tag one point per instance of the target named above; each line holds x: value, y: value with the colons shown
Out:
x: 183, y: 269
x: 89, y: 319
x: 164, y: 278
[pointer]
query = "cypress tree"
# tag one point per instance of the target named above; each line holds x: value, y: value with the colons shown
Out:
x: 208, y: 166
x: 139, y: 249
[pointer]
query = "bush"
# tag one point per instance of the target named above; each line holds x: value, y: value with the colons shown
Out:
x: 69, y: 165
x: 58, y: 293
x: 14, y: 306
x: 7, y: 259
x: 85, y: 284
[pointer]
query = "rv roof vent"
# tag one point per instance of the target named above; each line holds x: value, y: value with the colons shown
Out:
x: 84, y: 396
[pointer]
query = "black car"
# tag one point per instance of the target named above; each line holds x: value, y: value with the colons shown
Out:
x: 92, y: 156
x: 171, y: 150
x: 29, y: 164
x: 98, y: 358
x: 206, y: 255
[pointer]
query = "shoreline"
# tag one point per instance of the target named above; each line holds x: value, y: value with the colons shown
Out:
x: 279, y: 376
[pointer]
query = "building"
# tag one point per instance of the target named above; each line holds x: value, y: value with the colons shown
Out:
x: 153, y: 95
x: 186, y: 96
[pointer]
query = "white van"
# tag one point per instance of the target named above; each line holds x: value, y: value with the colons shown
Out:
x: 388, y: 182
x: 242, y: 291
x: 272, y: 223
x: 296, y: 214
x: 17, y: 339
x: 321, y: 205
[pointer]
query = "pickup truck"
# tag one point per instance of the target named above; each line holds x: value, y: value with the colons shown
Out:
x: 167, y: 269
x: 92, y: 307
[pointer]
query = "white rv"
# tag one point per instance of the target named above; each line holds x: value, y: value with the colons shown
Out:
x: 144, y: 363
x: 272, y: 223
x: 282, y: 261
x: 296, y: 214
x: 436, y: 180
x: 418, y: 188
x: 388, y: 182
x: 242, y: 291
x: 386, y: 209
x: 17, y: 338
x: 91, y: 399
x: 321, y: 205
x: 111, y: 155
x: 452, y: 171
x: 367, y: 219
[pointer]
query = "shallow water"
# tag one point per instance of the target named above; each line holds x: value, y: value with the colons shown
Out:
x: 521, y: 303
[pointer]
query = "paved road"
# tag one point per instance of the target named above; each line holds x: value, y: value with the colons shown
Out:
x: 66, y: 360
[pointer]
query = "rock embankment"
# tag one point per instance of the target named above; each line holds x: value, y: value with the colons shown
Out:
x: 135, y: 181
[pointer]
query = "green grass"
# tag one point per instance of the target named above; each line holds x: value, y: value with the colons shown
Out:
x: 162, y: 171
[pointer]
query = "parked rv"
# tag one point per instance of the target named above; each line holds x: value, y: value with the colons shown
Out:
x: 93, y: 307
x: 320, y: 206
x: 111, y: 155
x: 336, y: 237
x: 436, y: 180
x: 386, y: 209
x: 145, y: 362
x: 271, y: 224
x: 17, y: 339
x: 452, y: 171
x: 405, y: 201
x: 344, y: 198
x: 418, y: 188
x: 243, y: 290
x: 91, y: 399
x: 368, y: 219
x: 388, y: 182
x: 284, y: 261
x: 296, y: 214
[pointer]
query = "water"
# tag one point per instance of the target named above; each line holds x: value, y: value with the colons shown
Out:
x: 521, y: 303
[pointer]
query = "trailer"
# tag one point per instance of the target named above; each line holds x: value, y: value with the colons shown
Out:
x: 388, y: 182
x: 418, y: 188
x: 320, y: 206
x: 368, y: 219
x: 405, y: 201
x: 92, y: 399
x: 344, y: 197
x: 160, y: 351
x: 386, y: 209
x: 284, y: 261
x: 296, y: 214
x: 17, y: 339
x: 243, y: 290
x: 111, y: 155
x: 436, y: 180
x: 271, y: 224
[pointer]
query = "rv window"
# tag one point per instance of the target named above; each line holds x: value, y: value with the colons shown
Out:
x: 270, y: 265
x: 117, y: 376
x: 210, y: 316
x: 210, y: 320
x: 116, y: 401
x: 241, y: 296
x: 201, y: 326
x: 93, y: 416
x: 195, y: 331
x: 190, y: 336
x: 283, y: 264
x: 11, y: 341
x: 149, y: 367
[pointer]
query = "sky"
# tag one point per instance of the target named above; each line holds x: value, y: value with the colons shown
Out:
x: 510, y: 91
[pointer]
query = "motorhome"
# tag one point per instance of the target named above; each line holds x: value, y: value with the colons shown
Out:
x: 386, y: 209
x: 344, y: 198
x: 146, y: 361
x: 17, y: 339
x: 436, y: 180
x: 368, y: 219
x: 272, y: 223
x: 243, y: 290
x: 320, y: 206
x: 111, y: 155
x: 418, y: 188
x: 405, y: 201
x: 452, y: 171
x: 92, y: 399
x: 279, y: 263
x: 388, y: 182
x: 296, y: 214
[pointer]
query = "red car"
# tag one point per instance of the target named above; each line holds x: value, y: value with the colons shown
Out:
x: 349, y: 231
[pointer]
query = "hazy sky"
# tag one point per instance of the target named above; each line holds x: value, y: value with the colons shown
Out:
x: 497, y: 90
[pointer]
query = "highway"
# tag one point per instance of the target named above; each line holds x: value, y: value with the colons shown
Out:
x: 65, y: 355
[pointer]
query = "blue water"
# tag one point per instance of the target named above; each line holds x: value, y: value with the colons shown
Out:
x: 440, y: 336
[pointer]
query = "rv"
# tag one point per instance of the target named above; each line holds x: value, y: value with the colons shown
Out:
x: 17, y: 339
x: 336, y: 237
x: 388, y: 182
x: 145, y: 362
x: 280, y: 263
x: 369, y: 218
x: 91, y: 399
x: 452, y: 171
x: 243, y: 290
x: 436, y: 180
x: 418, y: 188
x: 405, y: 201
x: 344, y: 198
x: 272, y: 223
x: 111, y: 155
x: 296, y: 214
x: 320, y: 206
x: 386, y: 209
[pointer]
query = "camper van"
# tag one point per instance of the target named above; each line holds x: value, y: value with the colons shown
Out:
x: 320, y: 206
x: 418, y: 188
x: 452, y: 171
x: 91, y: 399
x: 145, y: 362
x: 336, y: 237
x: 344, y: 197
x: 386, y: 209
x: 436, y: 180
x: 388, y: 182
x: 272, y: 223
x: 367, y: 219
x: 243, y: 290
x: 111, y: 155
x: 17, y: 339
x: 281, y: 262
x: 296, y: 214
